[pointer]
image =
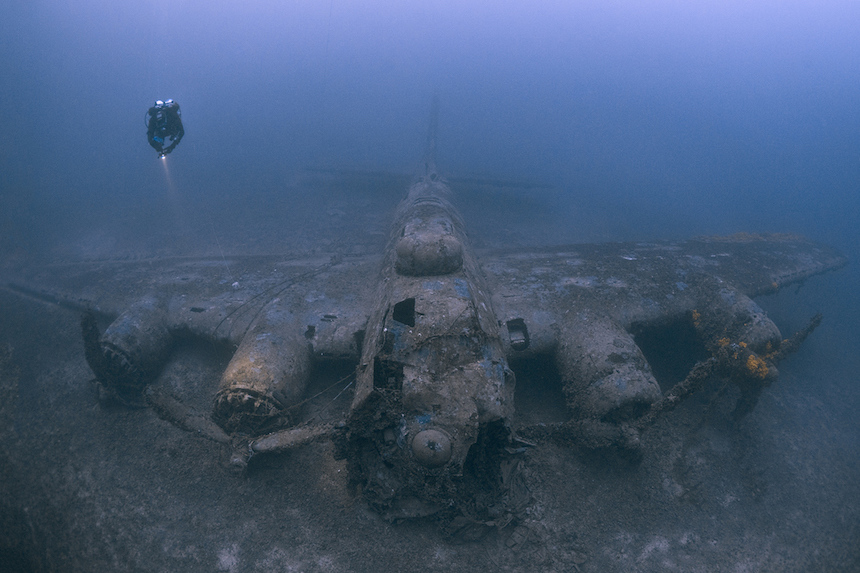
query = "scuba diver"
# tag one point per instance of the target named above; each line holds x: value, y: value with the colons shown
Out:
x: 164, y: 121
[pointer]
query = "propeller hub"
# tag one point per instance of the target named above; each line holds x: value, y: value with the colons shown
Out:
x: 431, y: 448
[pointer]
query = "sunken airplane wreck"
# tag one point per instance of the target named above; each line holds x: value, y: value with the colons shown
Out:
x: 431, y: 330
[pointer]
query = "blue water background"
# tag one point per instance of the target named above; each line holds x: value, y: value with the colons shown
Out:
x: 696, y: 117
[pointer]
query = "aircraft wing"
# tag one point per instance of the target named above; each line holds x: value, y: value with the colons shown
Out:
x: 629, y: 283
x: 636, y: 284
x: 217, y: 298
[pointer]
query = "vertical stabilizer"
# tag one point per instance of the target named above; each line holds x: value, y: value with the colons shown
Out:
x: 430, y: 153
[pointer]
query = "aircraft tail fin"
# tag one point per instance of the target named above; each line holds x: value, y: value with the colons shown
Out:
x: 430, y: 153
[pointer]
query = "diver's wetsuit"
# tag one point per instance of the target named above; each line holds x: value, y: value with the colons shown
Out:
x: 164, y: 121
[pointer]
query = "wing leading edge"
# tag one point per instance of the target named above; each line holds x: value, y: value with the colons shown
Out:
x: 645, y: 282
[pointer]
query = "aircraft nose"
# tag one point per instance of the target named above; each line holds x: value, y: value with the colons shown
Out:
x: 432, y: 448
